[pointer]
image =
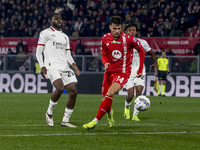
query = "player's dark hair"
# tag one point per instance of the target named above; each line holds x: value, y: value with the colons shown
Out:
x: 55, y: 15
x: 116, y: 20
x: 132, y: 24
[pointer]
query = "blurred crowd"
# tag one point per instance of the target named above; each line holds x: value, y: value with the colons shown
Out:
x: 90, y: 18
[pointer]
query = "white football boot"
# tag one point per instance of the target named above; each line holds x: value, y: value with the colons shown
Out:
x: 49, y: 120
x: 67, y: 124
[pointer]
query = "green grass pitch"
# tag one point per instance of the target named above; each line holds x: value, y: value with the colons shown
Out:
x: 171, y: 123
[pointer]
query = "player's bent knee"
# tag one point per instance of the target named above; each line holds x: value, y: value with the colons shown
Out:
x: 60, y: 89
x: 110, y: 93
x: 138, y: 93
x: 130, y: 96
x: 73, y: 93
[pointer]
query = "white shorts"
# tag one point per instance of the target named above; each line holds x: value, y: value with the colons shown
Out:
x: 66, y: 76
x: 134, y: 81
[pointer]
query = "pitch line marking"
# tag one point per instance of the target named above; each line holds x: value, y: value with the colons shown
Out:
x: 151, y: 124
x: 115, y: 133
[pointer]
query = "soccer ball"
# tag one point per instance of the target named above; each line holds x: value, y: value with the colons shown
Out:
x: 142, y: 103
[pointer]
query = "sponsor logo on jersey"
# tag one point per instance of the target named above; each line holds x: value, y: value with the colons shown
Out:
x: 59, y: 45
x: 116, y: 42
x: 116, y: 54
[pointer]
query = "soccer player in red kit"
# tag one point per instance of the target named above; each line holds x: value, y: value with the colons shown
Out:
x: 116, y: 50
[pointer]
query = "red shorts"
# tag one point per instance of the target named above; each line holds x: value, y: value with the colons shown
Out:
x: 110, y: 77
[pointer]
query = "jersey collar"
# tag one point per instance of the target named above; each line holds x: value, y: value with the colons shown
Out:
x: 53, y: 29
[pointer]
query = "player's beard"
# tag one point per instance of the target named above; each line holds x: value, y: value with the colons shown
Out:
x: 56, y: 26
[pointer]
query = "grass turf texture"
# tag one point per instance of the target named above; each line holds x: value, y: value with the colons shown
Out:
x: 170, y: 123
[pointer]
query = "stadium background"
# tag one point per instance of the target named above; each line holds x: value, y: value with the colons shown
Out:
x: 172, y: 122
x: 164, y: 24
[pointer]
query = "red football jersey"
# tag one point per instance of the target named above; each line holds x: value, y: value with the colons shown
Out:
x: 118, y: 52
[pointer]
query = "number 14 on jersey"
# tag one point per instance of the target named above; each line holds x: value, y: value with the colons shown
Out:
x: 120, y: 79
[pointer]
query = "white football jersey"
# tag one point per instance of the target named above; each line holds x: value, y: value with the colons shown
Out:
x: 136, y: 59
x: 56, y: 49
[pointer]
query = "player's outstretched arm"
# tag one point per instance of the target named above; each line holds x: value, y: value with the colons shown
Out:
x: 106, y: 65
x: 105, y: 60
x: 76, y: 68
x: 71, y: 61
x: 104, y: 55
x: 44, y: 72
x: 155, y: 64
x: 39, y: 51
x: 141, y: 52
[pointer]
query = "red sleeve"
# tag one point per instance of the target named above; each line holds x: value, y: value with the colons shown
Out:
x: 104, y: 53
x: 137, y: 45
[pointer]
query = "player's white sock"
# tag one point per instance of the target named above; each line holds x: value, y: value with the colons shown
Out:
x: 67, y: 115
x: 51, y: 107
x: 135, y: 112
x: 96, y: 120
x: 127, y: 105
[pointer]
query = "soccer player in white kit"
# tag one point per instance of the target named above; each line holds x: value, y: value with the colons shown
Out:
x: 55, y: 47
x: 138, y: 83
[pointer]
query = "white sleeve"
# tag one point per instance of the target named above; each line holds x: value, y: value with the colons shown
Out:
x: 39, y: 57
x: 43, y: 37
x: 40, y: 48
x: 70, y: 60
x: 146, y: 46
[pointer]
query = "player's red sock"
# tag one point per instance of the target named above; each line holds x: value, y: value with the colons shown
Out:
x: 109, y: 110
x: 104, y: 107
